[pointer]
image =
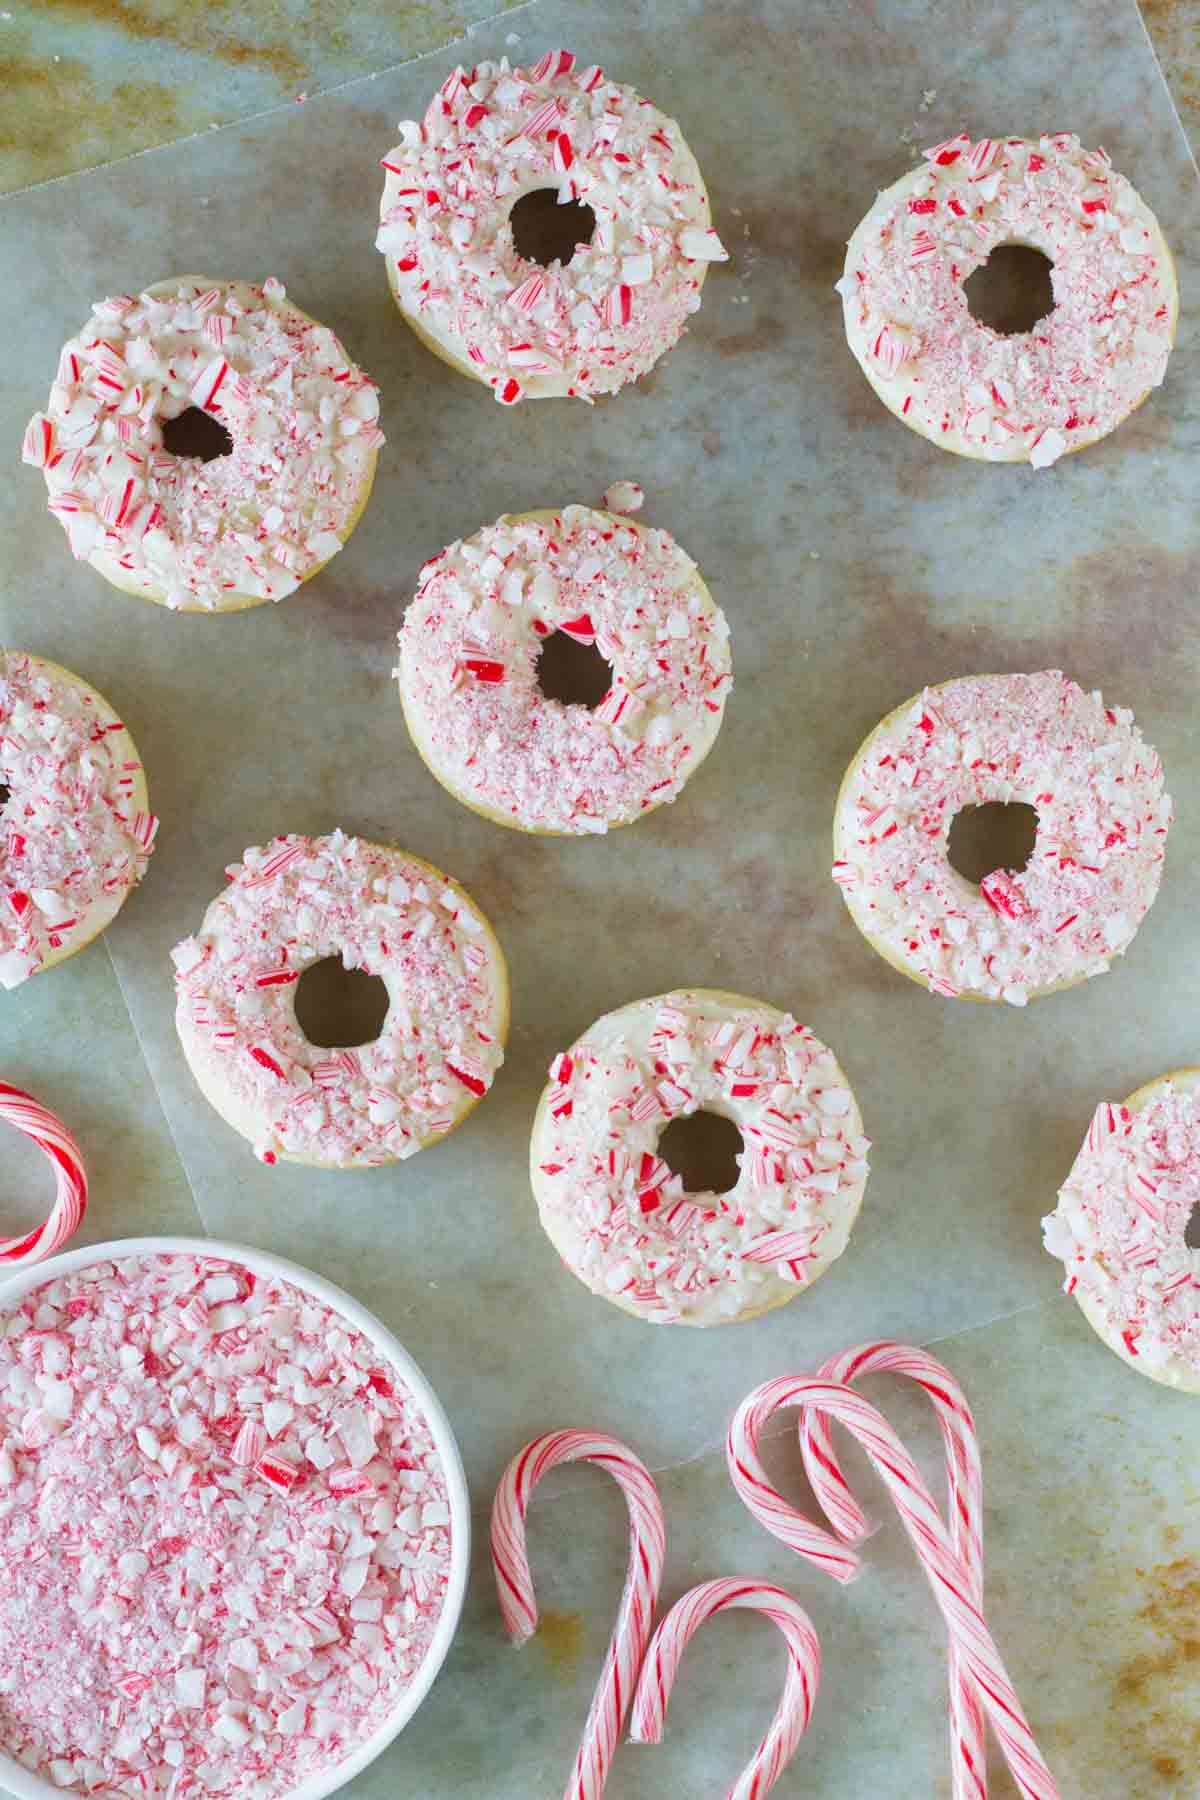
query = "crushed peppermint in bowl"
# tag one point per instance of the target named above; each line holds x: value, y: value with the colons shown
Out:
x: 234, y: 1527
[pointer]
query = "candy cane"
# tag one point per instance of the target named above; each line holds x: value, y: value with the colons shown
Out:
x: 70, y: 1200
x: 952, y: 1584
x: 800, y: 1688
x: 968, y: 1730
x: 647, y: 1544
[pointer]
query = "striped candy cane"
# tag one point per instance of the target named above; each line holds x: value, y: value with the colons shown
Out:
x: 647, y: 1545
x: 968, y: 1729
x: 70, y: 1199
x: 800, y: 1688
x: 953, y: 1586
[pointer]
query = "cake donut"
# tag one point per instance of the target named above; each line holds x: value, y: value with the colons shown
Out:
x: 1102, y: 820
x: 296, y: 902
x: 468, y: 670
x: 246, y: 527
x: 493, y: 134
x: 1120, y: 1228
x: 1031, y: 396
x: 76, y: 830
x: 619, y: 1218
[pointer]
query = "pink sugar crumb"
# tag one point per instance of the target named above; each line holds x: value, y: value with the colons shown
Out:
x: 171, y: 1621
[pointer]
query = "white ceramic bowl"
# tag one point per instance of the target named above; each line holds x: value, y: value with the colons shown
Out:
x: 26, y: 1786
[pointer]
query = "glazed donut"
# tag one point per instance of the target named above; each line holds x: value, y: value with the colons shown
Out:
x: 493, y: 134
x: 1097, y: 789
x: 469, y: 652
x: 76, y: 830
x: 299, y: 901
x: 1120, y: 1227
x: 1035, y: 395
x: 212, y: 536
x: 622, y: 1222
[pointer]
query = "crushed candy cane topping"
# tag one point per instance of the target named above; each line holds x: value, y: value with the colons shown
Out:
x: 75, y: 830
x: 493, y: 134
x: 623, y: 1222
x: 299, y: 901
x: 224, y: 1528
x: 468, y: 669
x: 255, y: 523
x: 1037, y: 394
x: 1120, y: 1225
x: 1039, y: 740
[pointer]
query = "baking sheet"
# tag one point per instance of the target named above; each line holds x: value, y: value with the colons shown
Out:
x: 855, y: 563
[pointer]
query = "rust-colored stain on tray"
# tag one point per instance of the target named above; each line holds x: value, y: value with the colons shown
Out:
x: 87, y: 81
x: 1174, y: 26
x: 560, y: 1639
x: 1157, y: 1689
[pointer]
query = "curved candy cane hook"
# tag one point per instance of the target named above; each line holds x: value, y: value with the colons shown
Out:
x: 800, y: 1688
x: 70, y: 1198
x: 647, y: 1544
x: 952, y: 1586
x: 968, y: 1728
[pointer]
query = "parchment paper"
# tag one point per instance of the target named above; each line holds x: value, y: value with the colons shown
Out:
x: 856, y: 563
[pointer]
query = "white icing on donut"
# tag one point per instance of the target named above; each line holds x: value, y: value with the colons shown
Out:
x: 623, y: 1223
x: 1037, y: 394
x: 1097, y: 788
x: 468, y: 670
x: 76, y: 830
x: 1119, y: 1228
x: 490, y: 136
x: 294, y: 903
x: 248, y: 526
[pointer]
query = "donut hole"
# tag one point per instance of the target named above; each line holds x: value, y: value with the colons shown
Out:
x: 545, y: 232
x: 1012, y: 291
x: 572, y: 673
x: 5, y: 793
x: 1191, y: 1234
x: 703, y: 1148
x: 998, y: 835
x: 339, y: 1008
x: 196, y: 434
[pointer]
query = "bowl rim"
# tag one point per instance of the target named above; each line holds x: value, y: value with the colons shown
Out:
x: 22, y: 1782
